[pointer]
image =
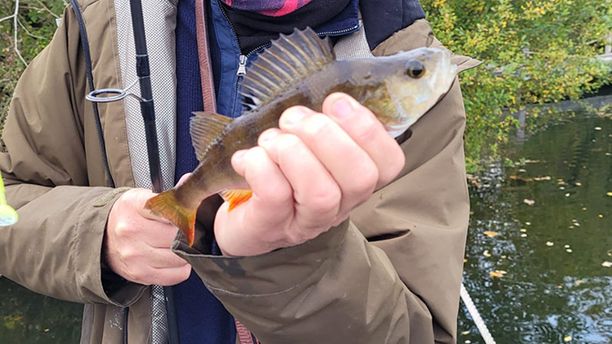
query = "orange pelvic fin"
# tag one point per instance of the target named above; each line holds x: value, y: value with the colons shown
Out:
x: 166, y: 205
x: 236, y: 197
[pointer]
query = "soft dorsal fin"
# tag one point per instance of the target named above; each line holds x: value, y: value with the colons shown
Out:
x: 205, y: 129
x: 288, y: 60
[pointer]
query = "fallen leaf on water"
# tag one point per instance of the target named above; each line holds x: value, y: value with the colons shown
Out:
x: 519, y: 179
x: 567, y: 339
x: 490, y: 234
x: 529, y: 202
x: 606, y: 264
x: 497, y: 273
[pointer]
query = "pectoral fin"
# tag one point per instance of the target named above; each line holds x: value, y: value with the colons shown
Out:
x: 236, y: 197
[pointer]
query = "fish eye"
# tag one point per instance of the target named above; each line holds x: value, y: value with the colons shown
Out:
x: 415, y: 69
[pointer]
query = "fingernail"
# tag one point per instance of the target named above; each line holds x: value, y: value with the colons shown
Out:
x: 267, y: 136
x: 237, y: 157
x: 343, y: 106
x: 293, y: 116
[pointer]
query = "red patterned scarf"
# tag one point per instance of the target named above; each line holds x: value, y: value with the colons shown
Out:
x: 273, y: 8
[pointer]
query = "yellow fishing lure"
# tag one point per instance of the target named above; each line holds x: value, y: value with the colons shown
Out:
x: 8, y: 215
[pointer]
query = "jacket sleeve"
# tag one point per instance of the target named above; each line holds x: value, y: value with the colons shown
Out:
x: 389, y: 275
x: 55, y: 247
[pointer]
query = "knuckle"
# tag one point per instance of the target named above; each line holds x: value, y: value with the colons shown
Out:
x: 366, y: 129
x: 288, y: 147
x: 123, y: 229
x: 393, y: 168
x: 325, y: 201
x: 128, y: 255
x: 318, y: 125
x: 366, y: 182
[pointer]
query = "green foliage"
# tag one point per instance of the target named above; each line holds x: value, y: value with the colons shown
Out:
x: 533, y: 52
x: 36, y: 27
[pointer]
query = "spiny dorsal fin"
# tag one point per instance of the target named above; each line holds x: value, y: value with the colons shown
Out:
x: 205, y: 128
x: 288, y: 60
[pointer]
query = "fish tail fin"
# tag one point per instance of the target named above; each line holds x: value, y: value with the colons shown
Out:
x: 167, y: 206
x: 236, y: 197
x: 8, y: 215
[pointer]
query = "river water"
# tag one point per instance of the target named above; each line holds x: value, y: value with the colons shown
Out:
x: 540, y: 242
x: 538, y: 251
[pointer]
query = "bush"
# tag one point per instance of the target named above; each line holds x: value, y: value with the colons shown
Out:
x: 36, y: 26
x: 533, y: 52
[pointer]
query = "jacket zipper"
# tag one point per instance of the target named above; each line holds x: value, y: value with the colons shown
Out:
x: 341, y: 32
x: 244, y: 59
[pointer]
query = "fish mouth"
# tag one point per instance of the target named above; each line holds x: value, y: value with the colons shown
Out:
x: 397, y: 129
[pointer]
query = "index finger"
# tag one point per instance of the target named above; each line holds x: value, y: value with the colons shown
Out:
x: 368, y: 132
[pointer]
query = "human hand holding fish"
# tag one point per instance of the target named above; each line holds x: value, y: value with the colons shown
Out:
x: 137, y: 243
x: 307, y: 175
x: 301, y: 70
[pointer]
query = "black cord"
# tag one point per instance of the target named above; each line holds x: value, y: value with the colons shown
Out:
x: 148, y: 113
x: 90, y: 82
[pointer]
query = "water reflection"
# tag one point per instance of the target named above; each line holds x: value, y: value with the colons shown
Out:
x: 547, y: 224
x: 26, y: 317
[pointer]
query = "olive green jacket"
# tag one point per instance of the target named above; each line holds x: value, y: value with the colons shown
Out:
x: 389, y: 275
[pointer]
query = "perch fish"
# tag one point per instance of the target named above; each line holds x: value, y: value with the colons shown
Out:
x: 300, y: 69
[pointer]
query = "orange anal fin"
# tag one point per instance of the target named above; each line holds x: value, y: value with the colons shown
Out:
x: 165, y: 205
x: 236, y: 197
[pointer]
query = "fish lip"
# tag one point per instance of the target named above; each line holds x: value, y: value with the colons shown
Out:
x: 396, y: 130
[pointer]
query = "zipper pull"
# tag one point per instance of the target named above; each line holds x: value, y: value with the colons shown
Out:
x: 242, y: 66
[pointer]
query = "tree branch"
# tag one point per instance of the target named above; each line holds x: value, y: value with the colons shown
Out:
x: 14, y: 17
